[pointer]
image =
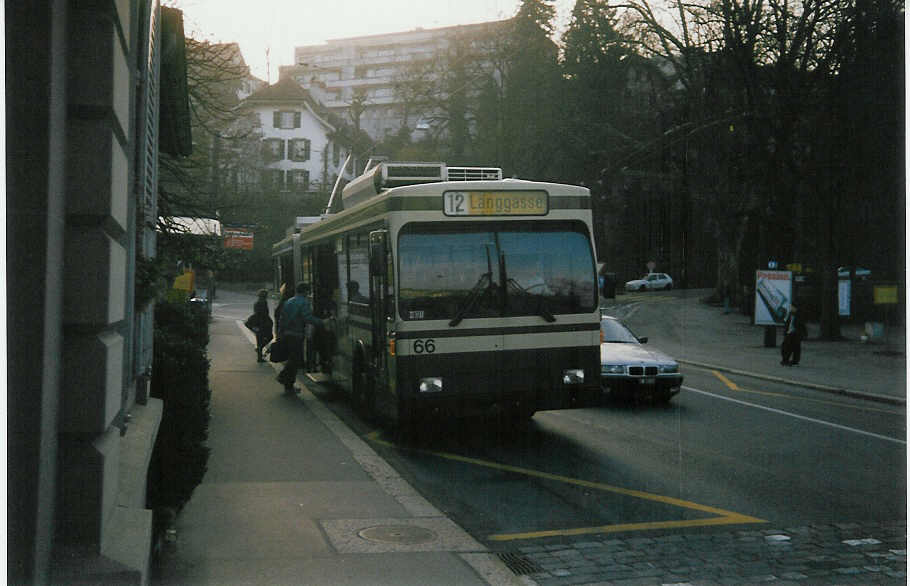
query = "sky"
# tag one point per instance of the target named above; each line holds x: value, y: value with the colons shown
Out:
x: 281, y: 25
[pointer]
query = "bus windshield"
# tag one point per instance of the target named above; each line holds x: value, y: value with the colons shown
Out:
x: 469, y: 270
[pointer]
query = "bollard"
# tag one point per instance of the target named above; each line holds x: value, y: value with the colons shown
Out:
x: 770, y: 336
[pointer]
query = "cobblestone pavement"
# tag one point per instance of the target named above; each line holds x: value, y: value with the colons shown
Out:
x: 852, y: 553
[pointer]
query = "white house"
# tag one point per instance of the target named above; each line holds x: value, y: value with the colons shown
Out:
x: 300, y: 159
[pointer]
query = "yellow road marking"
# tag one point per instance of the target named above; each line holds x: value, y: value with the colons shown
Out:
x: 730, y: 519
x: 647, y: 297
x: 730, y: 384
x: 723, y: 517
x: 734, y: 387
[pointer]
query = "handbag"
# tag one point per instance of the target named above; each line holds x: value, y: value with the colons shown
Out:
x: 251, y: 323
x: 278, y: 350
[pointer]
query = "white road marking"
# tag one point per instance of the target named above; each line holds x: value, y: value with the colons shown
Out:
x: 796, y: 416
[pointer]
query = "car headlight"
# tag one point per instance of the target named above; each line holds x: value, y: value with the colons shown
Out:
x: 612, y: 369
x: 573, y: 376
x: 669, y: 368
x: 430, y: 384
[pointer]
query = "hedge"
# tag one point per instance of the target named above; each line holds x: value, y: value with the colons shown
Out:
x: 180, y: 378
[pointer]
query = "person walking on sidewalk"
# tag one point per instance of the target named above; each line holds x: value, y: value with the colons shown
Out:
x: 794, y: 332
x: 262, y: 323
x: 296, y: 313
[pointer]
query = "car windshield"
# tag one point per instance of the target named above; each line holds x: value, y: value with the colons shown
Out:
x: 614, y: 331
x: 459, y: 271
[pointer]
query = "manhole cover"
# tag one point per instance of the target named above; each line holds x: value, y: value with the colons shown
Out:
x: 400, y: 534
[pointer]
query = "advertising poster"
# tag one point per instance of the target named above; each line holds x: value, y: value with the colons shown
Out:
x: 773, y: 295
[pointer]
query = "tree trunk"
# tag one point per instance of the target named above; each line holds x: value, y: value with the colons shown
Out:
x: 829, y: 318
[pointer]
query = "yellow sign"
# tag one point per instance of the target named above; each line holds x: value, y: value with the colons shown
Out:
x: 495, y: 203
x: 186, y: 281
x: 884, y: 295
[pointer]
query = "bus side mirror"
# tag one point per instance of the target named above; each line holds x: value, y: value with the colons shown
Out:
x: 378, y: 252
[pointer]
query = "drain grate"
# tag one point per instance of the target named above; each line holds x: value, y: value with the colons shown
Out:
x: 519, y: 564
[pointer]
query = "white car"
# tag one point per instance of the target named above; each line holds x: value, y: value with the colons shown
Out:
x: 651, y: 282
x: 629, y: 369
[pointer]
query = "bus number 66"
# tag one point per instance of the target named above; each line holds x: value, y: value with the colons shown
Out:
x: 424, y: 346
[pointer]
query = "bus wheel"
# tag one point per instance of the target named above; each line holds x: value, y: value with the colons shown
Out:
x: 362, y: 391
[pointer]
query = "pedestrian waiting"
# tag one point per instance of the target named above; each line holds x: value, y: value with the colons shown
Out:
x: 794, y: 333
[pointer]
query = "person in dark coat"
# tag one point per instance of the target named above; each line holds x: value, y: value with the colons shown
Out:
x: 263, y: 323
x: 794, y: 333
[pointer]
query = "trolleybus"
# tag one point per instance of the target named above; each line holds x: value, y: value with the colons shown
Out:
x: 455, y: 292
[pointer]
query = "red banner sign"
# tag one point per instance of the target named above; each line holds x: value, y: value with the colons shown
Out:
x: 242, y: 239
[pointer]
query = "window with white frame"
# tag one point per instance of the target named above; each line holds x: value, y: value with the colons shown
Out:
x: 273, y: 180
x: 300, y: 180
x: 273, y: 149
x: 286, y: 119
x: 299, y: 149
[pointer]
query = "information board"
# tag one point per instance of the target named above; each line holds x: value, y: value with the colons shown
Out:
x: 495, y: 203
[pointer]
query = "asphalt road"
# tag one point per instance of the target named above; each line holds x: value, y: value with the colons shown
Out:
x: 727, y: 453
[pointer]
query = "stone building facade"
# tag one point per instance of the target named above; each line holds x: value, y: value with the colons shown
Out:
x: 83, y: 127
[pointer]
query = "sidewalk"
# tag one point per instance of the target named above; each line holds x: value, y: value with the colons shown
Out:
x: 701, y: 335
x: 292, y: 496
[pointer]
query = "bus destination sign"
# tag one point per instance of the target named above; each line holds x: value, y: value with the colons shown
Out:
x: 495, y: 203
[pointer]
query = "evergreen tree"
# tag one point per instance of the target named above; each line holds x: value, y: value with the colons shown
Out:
x: 598, y: 121
x: 531, y: 96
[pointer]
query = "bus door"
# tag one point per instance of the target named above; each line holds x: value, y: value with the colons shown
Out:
x: 378, y: 303
x: 325, y: 293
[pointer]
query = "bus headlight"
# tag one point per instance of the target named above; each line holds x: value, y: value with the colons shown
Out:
x: 573, y: 376
x: 432, y: 384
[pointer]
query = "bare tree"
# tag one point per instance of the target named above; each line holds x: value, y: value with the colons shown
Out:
x: 748, y: 74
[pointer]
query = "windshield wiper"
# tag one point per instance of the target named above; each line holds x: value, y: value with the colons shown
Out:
x: 482, y: 285
x: 542, y: 310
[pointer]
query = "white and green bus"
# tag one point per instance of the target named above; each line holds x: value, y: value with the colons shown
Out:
x: 456, y: 292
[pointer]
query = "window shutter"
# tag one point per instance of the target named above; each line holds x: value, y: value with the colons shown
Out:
x: 276, y: 119
x: 296, y: 119
x: 306, y: 149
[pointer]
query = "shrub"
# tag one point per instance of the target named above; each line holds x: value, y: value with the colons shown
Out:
x: 180, y: 379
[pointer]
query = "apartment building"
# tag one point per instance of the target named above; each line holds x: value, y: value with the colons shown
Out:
x: 370, y: 67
